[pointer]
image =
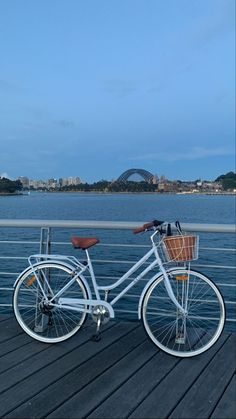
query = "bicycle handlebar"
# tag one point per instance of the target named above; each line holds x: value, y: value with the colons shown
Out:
x: 147, y: 226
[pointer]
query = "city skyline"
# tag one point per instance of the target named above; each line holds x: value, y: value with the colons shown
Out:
x: 78, y: 179
x: 96, y: 87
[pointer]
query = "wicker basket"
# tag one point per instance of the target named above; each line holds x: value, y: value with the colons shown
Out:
x: 181, y: 248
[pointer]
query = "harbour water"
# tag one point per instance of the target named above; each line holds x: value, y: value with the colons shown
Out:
x: 129, y: 207
x: 217, y: 209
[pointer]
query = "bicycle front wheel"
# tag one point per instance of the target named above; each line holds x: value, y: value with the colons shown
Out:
x: 48, y: 323
x: 174, y: 332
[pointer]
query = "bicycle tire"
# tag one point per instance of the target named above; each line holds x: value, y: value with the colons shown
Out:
x: 168, y: 328
x: 46, y: 323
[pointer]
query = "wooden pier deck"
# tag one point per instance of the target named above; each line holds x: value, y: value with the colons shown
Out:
x: 121, y: 376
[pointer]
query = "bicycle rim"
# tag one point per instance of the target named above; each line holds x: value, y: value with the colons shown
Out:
x: 42, y: 321
x: 170, y: 330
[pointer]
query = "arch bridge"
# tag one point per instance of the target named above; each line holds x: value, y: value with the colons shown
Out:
x: 147, y: 176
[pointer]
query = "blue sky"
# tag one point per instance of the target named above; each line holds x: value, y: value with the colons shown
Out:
x: 92, y: 88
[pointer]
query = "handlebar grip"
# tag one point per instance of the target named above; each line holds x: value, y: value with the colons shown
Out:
x: 143, y: 228
x: 147, y: 226
x: 138, y: 230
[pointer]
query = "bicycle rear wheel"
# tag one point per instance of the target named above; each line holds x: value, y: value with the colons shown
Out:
x: 43, y: 321
x: 178, y: 334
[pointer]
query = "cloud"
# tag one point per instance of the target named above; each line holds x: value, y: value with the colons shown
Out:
x: 194, y: 153
x: 120, y: 87
x: 65, y: 123
x: 6, y: 86
x: 220, y: 23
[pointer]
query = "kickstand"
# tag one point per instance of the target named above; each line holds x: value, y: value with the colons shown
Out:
x: 97, y: 336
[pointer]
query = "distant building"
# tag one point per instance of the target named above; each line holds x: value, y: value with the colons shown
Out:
x: 52, y: 183
x: 25, y: 182
x: 155, y: 180
x: 38, y: 184
x: 69, y: 181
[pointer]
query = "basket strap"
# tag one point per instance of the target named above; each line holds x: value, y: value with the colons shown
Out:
x: 168, y: 230
x: 177, y: 225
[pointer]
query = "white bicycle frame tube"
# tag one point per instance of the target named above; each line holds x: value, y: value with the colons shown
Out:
x: 134, y: 268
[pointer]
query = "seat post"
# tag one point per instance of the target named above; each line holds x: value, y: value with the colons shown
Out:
x: 90, y: 266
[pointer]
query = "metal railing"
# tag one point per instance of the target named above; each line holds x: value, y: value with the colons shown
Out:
x: 117, y: 250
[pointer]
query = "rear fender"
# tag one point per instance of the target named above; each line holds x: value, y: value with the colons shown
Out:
x: 56, y: 262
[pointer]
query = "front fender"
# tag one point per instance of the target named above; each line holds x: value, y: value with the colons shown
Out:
x: 144, y: 292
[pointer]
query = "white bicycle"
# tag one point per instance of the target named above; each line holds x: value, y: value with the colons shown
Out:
x: 182, y: 310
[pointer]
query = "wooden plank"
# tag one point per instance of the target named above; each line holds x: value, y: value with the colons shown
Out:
x: 131, y: 393
x: 38, y: 361
x: 120, y: 376
x: 226, y: 407
x: 167, y: 394
x: 20, y: 354
x: 9, y: 328
x: 4, y: 317
x: 203, y: 396
x: 14, y: 343
x: 105, y: 384
x: 78, y: 377
x: 65, y: 366
x: 30, y: 366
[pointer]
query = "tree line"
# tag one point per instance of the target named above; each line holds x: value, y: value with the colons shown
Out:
x: 106, y: 186
x: 10, y: 186
x: 228, y: 180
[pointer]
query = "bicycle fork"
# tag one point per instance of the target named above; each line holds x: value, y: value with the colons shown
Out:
x: 181, y: 307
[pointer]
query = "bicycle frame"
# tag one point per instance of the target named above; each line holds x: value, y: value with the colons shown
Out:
x: 79, y: 304
x: 182, y: 310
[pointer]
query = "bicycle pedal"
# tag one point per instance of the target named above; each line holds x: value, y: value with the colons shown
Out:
x: 96, y: 338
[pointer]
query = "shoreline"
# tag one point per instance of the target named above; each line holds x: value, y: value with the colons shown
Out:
x: 119, y: 193
x: 125, y: 193
x: 10, y: 193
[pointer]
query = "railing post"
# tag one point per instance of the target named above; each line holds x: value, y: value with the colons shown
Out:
x: 45, y: 243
